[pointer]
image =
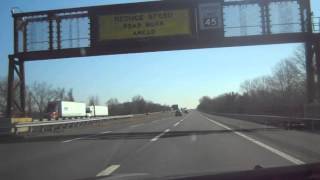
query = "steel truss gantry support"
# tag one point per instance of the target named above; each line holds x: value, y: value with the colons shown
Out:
x: 312, y: 58
x: 16, y: 88
x: 315, y: 57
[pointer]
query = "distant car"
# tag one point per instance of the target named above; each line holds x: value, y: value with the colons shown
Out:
x: 186, y: 111
x: 178, y: 113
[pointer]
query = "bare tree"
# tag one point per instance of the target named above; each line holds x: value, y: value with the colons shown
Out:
x: 70, y: 95
x: 59, y: 94
x: 30, y: 104
x: 38, y: 95
x: 113, y: 106
x: 138, y: 105
x: 256, y: 85
x: 282, y: 92
x: 93, y: 100
x: 112, y: 101
x: 299, y: 60
x: 42, y: 94
x: 205, y: 104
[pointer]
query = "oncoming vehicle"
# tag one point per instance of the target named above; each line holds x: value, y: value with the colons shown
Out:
x: 69, y: 109
x: 97, y: 111
x: 66, y: 109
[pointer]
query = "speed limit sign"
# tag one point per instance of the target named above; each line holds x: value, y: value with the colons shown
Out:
x: 210, y: 16
x: 210, y: 22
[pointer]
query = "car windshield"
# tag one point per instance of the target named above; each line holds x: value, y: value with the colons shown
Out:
x: 134, y: 89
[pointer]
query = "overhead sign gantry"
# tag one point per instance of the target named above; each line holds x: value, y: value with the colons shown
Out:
x: 157, y: 26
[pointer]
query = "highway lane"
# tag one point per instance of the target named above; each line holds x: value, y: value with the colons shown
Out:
x: 199, y: 146
x: 301, y: 144
x: 49, y: 158
x: 164, y: 145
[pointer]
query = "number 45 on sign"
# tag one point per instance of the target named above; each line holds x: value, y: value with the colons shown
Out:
x: 210, y: 22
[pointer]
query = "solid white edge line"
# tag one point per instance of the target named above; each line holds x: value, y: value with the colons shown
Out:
x: 108, y: 170
x: 267, y: 147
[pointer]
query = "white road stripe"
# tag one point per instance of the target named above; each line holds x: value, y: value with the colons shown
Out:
x: 70, y: 140
x: 105, y: 132
x: 154, y: 139
x: 108, y: 170
x: 176, y: 124
x: 184, y: 118
x: 158, y: 136
x: 271, y: 149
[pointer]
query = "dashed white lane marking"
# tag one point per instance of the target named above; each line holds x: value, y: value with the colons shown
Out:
x: 269, y: 148
x: 180, y: 121
x: 185, y: 118
x: 105, y: 132
x: 79, y: 138
x: 108, y: 170
x: 158, y: 136
x: 70, y: 140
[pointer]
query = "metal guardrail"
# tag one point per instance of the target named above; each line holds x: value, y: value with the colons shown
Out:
x: 285, y: 122
x: 42, y: 126
x: 52, y: 125
x: 273, y: 116
x: 60, y: 122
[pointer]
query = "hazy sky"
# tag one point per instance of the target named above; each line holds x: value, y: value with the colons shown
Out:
x: 165, y: 77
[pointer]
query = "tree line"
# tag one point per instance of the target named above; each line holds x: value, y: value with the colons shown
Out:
x: 281, y: 93
x: 39, y: 94
x: 137, y: 105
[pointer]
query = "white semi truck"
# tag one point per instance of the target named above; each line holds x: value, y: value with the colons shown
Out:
x: 69, y: 109
x: 95, y: 111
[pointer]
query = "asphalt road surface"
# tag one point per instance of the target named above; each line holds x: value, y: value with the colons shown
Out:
x: 158, y: 146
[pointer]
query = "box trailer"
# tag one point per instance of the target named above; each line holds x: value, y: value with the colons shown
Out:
x: 97, y: 111
x: 66, y: 109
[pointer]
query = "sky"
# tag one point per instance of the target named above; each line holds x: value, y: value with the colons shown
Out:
x: 170, y: 77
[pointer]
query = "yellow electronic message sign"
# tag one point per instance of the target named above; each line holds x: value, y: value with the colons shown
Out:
x: 143, y: 25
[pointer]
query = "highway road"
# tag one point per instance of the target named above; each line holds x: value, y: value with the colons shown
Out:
x: 158, y: 145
